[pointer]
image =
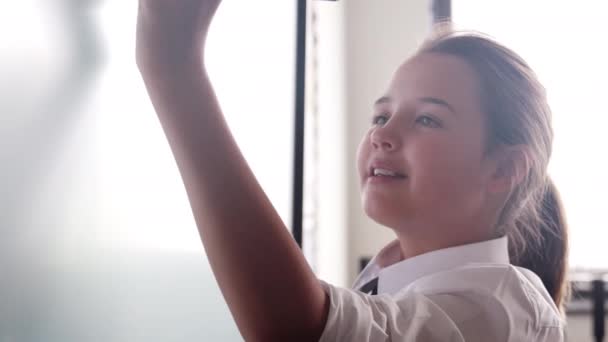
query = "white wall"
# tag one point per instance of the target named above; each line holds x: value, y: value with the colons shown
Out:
x: 379, y: 37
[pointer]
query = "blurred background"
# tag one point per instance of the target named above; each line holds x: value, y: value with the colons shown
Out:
x: 98, y: 242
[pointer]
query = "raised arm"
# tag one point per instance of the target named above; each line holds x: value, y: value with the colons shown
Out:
x: 270, y: 289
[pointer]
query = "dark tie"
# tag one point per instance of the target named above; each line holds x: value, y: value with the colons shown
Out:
x: 371, y: 287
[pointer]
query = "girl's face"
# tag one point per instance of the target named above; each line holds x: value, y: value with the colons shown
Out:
x: 429, y: 129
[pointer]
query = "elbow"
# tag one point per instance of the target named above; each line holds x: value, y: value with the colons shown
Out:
x: 292, y: 331
x: 293, y: 323
x: 291, y: 336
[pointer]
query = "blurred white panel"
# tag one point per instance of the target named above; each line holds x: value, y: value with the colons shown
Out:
x: 34, y: 54
x: 104, y: 246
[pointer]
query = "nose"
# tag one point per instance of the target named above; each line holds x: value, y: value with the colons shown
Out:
x: 385, y: 138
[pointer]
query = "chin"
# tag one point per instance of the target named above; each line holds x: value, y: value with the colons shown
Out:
x: 382, y: 214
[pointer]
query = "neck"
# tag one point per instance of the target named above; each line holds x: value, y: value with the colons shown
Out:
x: 414, y: 243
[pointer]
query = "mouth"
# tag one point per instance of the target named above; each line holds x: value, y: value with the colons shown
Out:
x: 385, y: 173
x: 381, y: 175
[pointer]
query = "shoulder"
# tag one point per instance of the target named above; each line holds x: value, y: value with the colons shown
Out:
x: 510, y: 285
x: 473, y: 303
x: 503, y: 298
x: 354, y: 316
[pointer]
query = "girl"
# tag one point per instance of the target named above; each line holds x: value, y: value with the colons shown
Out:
x: 454, y: 162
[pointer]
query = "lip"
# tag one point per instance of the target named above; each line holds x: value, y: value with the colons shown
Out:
x: 378, y: 180
x: 383, y: 164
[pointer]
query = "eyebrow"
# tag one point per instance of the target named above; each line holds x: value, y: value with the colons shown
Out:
x: 383, y: 99
x: 427, y: 99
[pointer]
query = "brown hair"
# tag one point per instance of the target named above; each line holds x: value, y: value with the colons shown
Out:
x: 518, y: 114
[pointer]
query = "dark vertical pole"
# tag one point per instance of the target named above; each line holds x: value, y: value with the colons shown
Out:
x: 442, y: 10
x: 298, y: 167
x: 599, y: 295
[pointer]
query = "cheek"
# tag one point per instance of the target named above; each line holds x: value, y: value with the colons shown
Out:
x: 444, y: 169
x: 363, y: 152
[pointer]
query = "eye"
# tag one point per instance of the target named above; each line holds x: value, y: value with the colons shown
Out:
x: 428, y: 121
x: 380, y: 119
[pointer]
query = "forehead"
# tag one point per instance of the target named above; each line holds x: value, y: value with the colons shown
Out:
x: 442, y: 76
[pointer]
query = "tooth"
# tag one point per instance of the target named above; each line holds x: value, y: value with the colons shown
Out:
x: 384, y: 172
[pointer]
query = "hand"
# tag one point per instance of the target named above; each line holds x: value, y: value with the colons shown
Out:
x: 172, y: 32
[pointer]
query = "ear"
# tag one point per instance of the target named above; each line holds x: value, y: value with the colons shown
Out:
x: 510, y: 167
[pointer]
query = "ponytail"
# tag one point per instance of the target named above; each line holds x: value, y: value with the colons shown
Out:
x: 547, y: 255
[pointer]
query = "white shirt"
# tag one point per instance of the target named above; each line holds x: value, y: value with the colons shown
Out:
x: 466, y: 293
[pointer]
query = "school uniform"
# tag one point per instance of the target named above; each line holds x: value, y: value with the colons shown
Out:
x: 466, y: 293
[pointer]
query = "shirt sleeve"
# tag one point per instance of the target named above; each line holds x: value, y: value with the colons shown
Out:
x: 354, y: 316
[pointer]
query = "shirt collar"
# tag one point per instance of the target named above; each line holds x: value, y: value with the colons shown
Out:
x: 394, y: 274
